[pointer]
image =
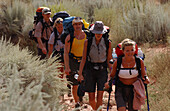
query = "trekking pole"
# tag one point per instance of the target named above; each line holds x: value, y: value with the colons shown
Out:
x: 147, y: 96
x: 108, y: 104
x: 109, y: 91
x: 146, y: 89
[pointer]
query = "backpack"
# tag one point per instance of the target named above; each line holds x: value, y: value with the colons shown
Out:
x: 119, y: 51
x: 61, y: 14
x: 119, y: 62
x: 90, y: 39
x: 68, y: 27
x: 91, y: 36
x: 119, y: 54
x: 39, y: 18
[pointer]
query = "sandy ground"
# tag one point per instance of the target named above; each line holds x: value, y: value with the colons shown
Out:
x: 69, y: 102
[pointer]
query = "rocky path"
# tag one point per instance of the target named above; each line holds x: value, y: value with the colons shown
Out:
x: 69, y: 102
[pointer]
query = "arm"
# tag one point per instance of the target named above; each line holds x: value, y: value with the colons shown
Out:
x: 44, y: 50
x: 143, y: 73
x: 50, y: 49
x: 51, y: 44
x: 113, y: 72
x: 66, y: 55
x: 83, y: 61
x: 38, y: 30
x: 114, y: 68
x: 109, y: 56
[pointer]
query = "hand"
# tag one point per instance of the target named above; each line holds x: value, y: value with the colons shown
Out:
x: 67, y: 71
x: 44, y: 50
x: 147, y: 81
x: 80, y: 78
x: 106, y: 85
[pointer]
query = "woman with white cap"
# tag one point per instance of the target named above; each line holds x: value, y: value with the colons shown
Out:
x: 97, y: 63
x: 73, y: 52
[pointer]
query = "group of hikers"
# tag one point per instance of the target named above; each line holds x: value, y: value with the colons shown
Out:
x: 89, y: 56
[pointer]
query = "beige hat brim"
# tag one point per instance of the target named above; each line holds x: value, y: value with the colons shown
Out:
x: 98, y: 32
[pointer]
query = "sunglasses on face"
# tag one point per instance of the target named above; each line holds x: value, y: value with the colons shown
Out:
x: 76, y: 18
x: 48, y: 14
x: 59, y: 22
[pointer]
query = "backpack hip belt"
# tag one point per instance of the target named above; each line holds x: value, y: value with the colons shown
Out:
x: 78, y: 59
x: 97, y: 66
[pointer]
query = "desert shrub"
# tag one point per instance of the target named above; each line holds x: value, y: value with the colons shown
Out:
x: 145, y: 22
x: 158, y: 70
x: 16, y: 22
x: 12, y: 18
x: 26, y: 83
x: 89, y: 7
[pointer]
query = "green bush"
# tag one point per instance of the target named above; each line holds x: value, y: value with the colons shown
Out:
x: 26, y: 83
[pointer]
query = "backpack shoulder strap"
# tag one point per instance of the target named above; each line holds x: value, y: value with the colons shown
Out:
x: 89, y: 45
x: 71, y: 39
x: 119, y: 62
x: 106, y: 40
x: 43, y: 26
x: 55, y: 35
x: 138, y: 65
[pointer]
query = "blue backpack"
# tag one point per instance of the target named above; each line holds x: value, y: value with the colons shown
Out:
x: 68, y: 28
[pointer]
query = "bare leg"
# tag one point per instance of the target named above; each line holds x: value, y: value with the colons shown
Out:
x: 99, y: 99
x: 92, y: 100
x: 74, y: 92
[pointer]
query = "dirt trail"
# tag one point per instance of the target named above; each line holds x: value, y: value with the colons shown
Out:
x: 68, y: 101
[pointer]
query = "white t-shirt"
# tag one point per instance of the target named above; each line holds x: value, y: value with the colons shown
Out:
x: 59, y: 45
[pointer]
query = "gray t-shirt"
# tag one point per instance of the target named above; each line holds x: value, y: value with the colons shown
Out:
x: 97, y: 53
x: 58, y: 45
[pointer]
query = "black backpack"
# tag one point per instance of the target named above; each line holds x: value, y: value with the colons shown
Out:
x: 90, y: 39
x: 91, y: 35
x: 119, y: 62
x: 61, y: 14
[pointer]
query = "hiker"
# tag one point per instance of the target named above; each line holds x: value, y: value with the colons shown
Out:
x: 128, y: 76
x: 73, y: 52
x: 55, y: 45
x: 97, y: 59
x: 43, y: 31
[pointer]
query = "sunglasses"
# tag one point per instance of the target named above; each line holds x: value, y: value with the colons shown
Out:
x: 76, y: 18
x: 59, y: 22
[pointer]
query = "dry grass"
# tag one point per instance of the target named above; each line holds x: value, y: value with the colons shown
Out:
x: 26, y: 83
x: 158, y: 71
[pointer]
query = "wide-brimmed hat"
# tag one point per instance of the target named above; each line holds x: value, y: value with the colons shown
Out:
x: 46, y: 11
x: 77, y: 20
x: 98, y: 28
